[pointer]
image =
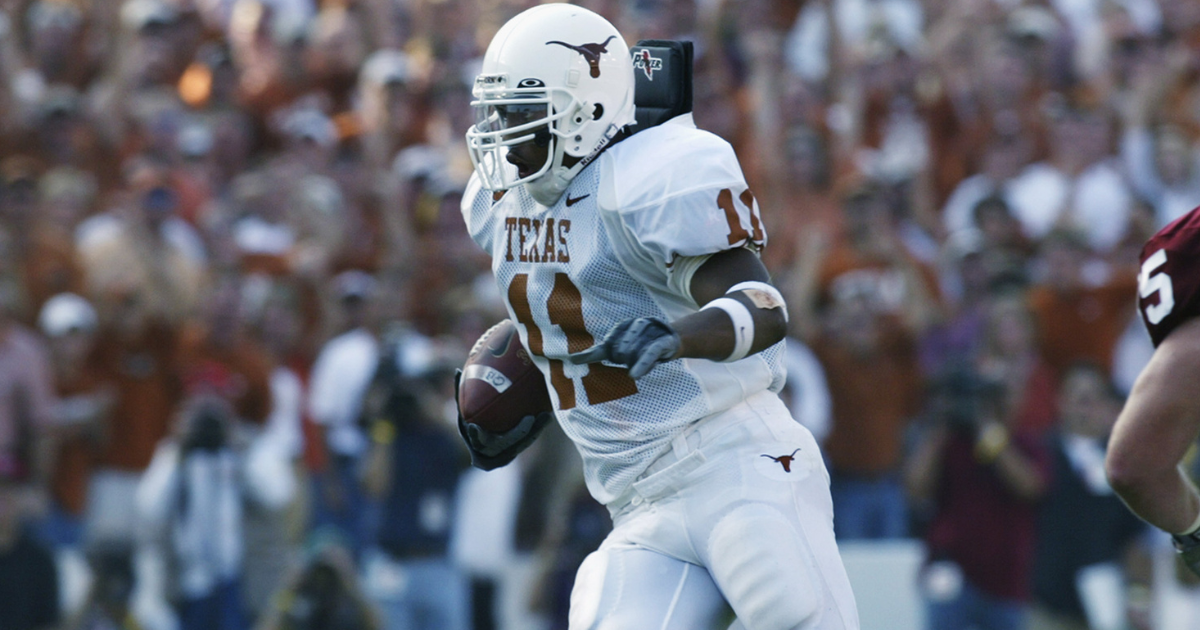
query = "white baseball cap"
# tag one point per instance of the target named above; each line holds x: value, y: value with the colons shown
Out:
x: 64, y: 313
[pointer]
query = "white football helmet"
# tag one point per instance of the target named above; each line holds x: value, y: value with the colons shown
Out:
x: 556, y: 74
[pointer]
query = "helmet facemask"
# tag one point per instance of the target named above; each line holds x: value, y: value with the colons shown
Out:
x: 506, y: 118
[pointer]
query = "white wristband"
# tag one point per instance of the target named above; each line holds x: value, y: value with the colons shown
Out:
x: 1192, y: 529
x: 762, y: 295
x: 743, y: 325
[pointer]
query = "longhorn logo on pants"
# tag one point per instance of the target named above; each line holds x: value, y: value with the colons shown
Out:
x: 784, y: 460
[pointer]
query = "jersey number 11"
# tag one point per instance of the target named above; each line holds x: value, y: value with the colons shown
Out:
x: 602, y: 383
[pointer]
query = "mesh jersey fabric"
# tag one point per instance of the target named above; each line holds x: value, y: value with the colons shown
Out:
x: 608, y: 251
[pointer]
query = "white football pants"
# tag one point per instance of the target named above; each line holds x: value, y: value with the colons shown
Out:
x: 737, y: 511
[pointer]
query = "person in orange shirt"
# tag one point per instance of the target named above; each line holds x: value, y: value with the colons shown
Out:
x: 1078, y: 318
x: 137, y: 353
x: 875, y: 387
x: 84, y: 403
x: 870, y: 301
x: 217, y: 357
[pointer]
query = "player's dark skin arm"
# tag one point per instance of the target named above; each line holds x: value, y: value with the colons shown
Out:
x: 1160, y: 421
x: 708, y: 333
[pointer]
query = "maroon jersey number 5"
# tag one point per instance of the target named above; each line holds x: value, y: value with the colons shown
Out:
x: 1152, y: 280
x: 1169, y: 281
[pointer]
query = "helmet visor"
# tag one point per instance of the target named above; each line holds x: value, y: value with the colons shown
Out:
x: 509, y: 118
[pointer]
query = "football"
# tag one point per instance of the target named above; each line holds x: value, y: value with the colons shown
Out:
x: 500, y: 384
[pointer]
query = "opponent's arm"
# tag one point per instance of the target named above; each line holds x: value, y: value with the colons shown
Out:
x: 741, y: 314
x: 1160, y: 421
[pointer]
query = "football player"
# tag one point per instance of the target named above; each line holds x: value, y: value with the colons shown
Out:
x: 629, y: 262
x: 1161, y: 418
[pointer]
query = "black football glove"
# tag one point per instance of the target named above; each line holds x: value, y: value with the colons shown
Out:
x: 493, y: 450
x: 639, y: 344
x: 1189, y: 550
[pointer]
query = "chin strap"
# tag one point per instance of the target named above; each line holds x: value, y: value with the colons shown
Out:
x: 548, y: 188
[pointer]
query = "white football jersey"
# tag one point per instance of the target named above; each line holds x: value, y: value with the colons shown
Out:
x: 622, y: 242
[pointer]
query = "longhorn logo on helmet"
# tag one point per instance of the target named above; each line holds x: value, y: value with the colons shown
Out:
x: 590, y: 52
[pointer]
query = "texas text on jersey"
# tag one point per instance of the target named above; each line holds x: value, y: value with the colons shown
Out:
x: 1169, y: 283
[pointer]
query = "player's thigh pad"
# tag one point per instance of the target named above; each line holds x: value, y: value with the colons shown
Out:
x: 628, y: 588
x: 766, y: 569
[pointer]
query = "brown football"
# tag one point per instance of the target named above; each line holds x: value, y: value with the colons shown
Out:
x: 500, y: 384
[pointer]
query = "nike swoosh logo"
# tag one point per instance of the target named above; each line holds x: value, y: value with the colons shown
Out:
x: 571, y: 202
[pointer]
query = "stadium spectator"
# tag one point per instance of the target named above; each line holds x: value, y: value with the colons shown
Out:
x: 323, y: 593
x: 52, y: 264
x: 274, y: 535
x: 82, y: 410
x: 965, y: 279
x: 107, y: 606
x: 142, y: 248
x: 137, y: 353
x: 1083, y: 530
x: 1009, y: 356
x: 979, y: 475
x: 809, y: 200
x: 340, y: 377
x: 1079, y: 186
x: 412, y: 469
x: 28, y: 575
x: 218, y: 358
x: 1006, y: 151
x: 1081, y: 309
x: 193, y: 498
x: 871, y: 301
x: 389, y: 110
x: 27, y: 395
x: 1159, y: 154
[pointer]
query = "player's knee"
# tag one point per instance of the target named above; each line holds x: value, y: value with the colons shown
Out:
x: 765, y: 569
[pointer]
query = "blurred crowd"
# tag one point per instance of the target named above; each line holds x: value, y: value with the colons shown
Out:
x: 234, y: 286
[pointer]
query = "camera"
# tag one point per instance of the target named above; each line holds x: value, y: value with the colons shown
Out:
x: 962, y: 398
x: 206, y: 430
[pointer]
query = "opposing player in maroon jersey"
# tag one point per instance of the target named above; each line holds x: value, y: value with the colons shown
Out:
x: 1161, y: 418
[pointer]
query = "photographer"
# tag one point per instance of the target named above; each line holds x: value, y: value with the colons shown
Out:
x: 323, y: 594
x: 981, y: 475
x: 1086, y: 536
x: 412, y: 469
x: 107, y: 606
x: 28, y: 575
x: 192, y: 496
